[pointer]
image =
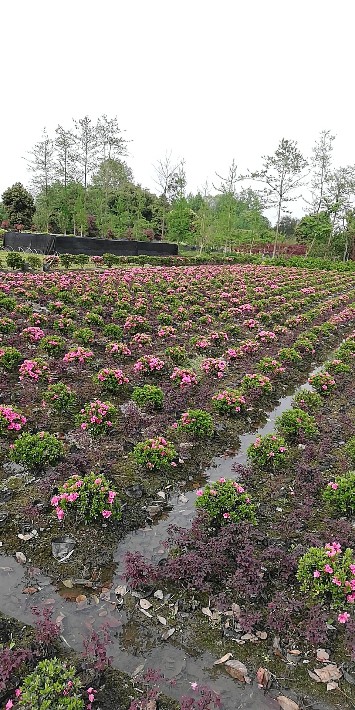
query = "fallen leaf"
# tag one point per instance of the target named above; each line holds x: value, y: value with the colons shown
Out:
x: 224, y: 658
x: 249, y: 637
x: 30, y: 590
x: 263, y: 678
x: 121, y: 590
x: 144, y: 604
x: 80, y: 598
x: 276, y: 647
x: 322, y: 655
x: 146, y: 613
x: 159, y: 594
x: 261, y: 635
x: 236, y: 610
x: 138, y: 670
x: 332, y: 685
x: 314, y: 676
x: 237, y: 670
x: 166, y: 635
x: 287, y: 703
x: 68, y: 583
x: 328, y: 673
x: 21, y: 557
x: 294, y: 652
x: 59, y: 619
x: 151, y: 704
x: 162, y: 620
x: 207, y: 611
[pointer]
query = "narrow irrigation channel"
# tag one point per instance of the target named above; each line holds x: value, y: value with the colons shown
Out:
x: 137, y: 640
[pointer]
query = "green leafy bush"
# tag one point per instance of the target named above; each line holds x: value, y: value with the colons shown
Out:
x: 256, y: 384
x: 81, y: 259
x: 7, y: 303
x: 84, y: 336
x: 269, y: 452
x: 90, y: 497
x: 36, y: 451
x: 53, y: 685
x: 60, y: 397
x: 323, y: 383
x: 66, y: 260
x: 10, y: 358
x: 350, y: 450
x: 114, y: 331
x: 309, y: 401
x: 93, y: 318
x: 14, y: 260
x: 337, y: 366
x: 52, y: 344
x: 155, y: 454
x: 7, y: 325
x: 229, y: 402
x: 112, y: 381
x: 326, y: 573
x: 34, y: 261
x: 196, y: 423
x: 295, y: 423
x: 177, y: 354
x: 149, y: 396
x: 225, y: 502
x: 340, y: 494
x: 289, y: 355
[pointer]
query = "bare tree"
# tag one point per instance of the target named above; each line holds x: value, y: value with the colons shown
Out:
x: 65, y: 155
x: 321, y: 163
x: 171, y: 178
x: 228, y: 184
x: 42, y: 166
x: 339, y: 196
x: 86, y: 141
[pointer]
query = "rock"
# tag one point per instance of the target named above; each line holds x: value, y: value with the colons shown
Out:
x: 21, y: 557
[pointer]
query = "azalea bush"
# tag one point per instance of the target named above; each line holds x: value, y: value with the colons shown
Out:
x: 196, y: 423
x: 148, y: 396
x: 78, y: 355
x: 340, y: 494
x: 183, y: 377
x: 36, y: 451
x: 33, y: 370
x: 155, y: 453
x: 294, y: 423
x: 308, y: 401
x: 323, y: 383
x: 111, y: 380
x: 337, y: 366
x: 118, y: 350
x: 269, y: 365
x: 54, y: 345
x: 10, y: 358
x: 60, y: 397
x: 149, y: 365
x: 225, y: 501
x: 53, y: 685
x: 229, y: 402
x: 11, y: 419
x: 269, y: 452
x: 256, y: 384
x: 214, y: 366
x: 97, y: 417
x: 90, y: 497
x: 177, y: 354
x: 328, y: 573
x: 289, y: 356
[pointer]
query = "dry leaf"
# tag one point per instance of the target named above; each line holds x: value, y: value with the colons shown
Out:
x: 322, y: 655
x: 276, y: 646
x: 224, y: 658
x: 138, y: 670
x: 20, y: 557
x: 162, y: 620
x: 263, y: 678
x: 236, y: 610
x: 294, y: 652
x: 261, y: 635
x: 328, y: 673
x: 166, y: 635
x: 207, y: 611
x: 159, y: 594
x: 68, y: 583
x: 81, y: 598
x: 287, y: 703
x: 144, y: 604
x: 121, y: 590
x: 237, y: 670
x: 146, y: 613
x: 314, y: 676
x: 29, y: 590
x: 151, y: 704
x: 332, y: 685
x: 249, y: 637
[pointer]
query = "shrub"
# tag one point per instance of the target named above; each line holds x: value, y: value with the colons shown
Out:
x: 97, y: 417
x: 81, y: 259
x: 214, y: 366
x: 155, y: 454
x: 196, y: 423
x: 323, y: 383
x: 340, y: 494
x: 114, y: 331
x: 66, y: 260
x: 78, y: 355
x: 256, y: 384
x: 111, y: 380
x: 94, y: 319
x: 10, y: 358
x: 7, y: 325
x: 34, y: 370
x: 183, y: 377
x: 33, y: 333
x: 295, y: 423
x: 36, y: 451
x: 118, y: 350
x: 337, y: 366
x: 10, y: 419
x: 53, y: 345
x: 53, y: 685
x: 90, y: 497
x: 7, y: 303
x: 177, y: 354
x: 268, y: 365
x: 149, y: 365
x: 328, y: 573
x: 14, y: 260
x: 309, y: 401
x: 148, y: 396
x: 269, y: 452
x: 225, y: 502
x: 350, y: 450
x: 84, y: 336
x: 34, y: 261
x: 229, y: 402
x: 60, y: 397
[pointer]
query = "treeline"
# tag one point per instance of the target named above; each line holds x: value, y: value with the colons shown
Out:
x: 81, y: 184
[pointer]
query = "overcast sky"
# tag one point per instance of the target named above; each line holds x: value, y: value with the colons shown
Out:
x: 207, y: 80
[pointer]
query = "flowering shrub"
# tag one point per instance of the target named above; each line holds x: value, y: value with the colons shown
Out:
x: 60, y: 397
x: 141, y: 340
x: 84, y: 336
x: 97, y: 417
x: 256, y: 384
x: 323, y: 382
x: 33, y: 334
x: 225, y: 501
x: 34, y: 370
x: 111, y: 380
x: 149, y: 365
x: 7, y: 325
x: 148, y: 396
x: 136, y: 324
x: 214, y: 366
x: 177, y: 354
x: 90, y: 497
x: 340, y: 494
x: 10, y: 419
x: 289, y: 355
x: 53, y: 345
x: 328, y: 573
x: 155, y: 453
x: 183, y: 377
x: 166, y: 331
x: 266, y: 336
x: 118, y: 350
x: 229, y: 402
x: 53, y: 685
x: 269, y: 452
x: 295, y: 423
x: 337, y: 366
x: 350, y: 450
x: 271, y: 366
x: 78, y: 355
x: 36, y: 451
x: 10, y: 358
x: 309, y: 401
x: 196, y: 423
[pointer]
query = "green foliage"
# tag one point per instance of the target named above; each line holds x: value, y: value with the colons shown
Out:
x: 52, y: 344
x: 229, y: 402
x: 66, y: 260
x: 19, y: 205
x: 90, y: 497
x: 60, y: 397
x: 10, y: 358
x: 155, y: 454
x: 323, y: 383
x: 114, y: 331
x: 309, y: 401
x: 46, y: 688
x: 225, y: 502
x: 81, y: 260
x: 34, y: 261
x: 337, y: 366
x: 14, y: 260
x: 177, y: 354
x: 7, y: 325
x: 295, y: 423
x: 112, y: 381
x: 268, y: 452
x: 256, y: 384
x: 7, y: 303
x: 36, y: 451
x: 84, y: 336
x: 97, y: 417
x: 340, y: 494
x: 288, y: 355
x: 350, y: 450
x: 197, y: 423
x: 314, y: 229
x: 316, y: 581
x: 148, y: 396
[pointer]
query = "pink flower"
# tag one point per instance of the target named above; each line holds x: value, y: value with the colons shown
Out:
x: 333, y: 485
x: 343, y: 617
x: 18, y: 692
x: 194, y: 686
x: 111, y: 496
x: 328, y: 569
x: 55, y: 500
x: 60, y: 513
x: 222, y: 480
x: 316, y: 573
x: 9, y: 705
x: 106, y: 513
x: 199, y: 492
x: 91, y: 697
x: 226, y: 516
x: 336, y: 581
x: 97, y: 481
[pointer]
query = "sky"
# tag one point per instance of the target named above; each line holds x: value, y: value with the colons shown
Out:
x: 207, y: 81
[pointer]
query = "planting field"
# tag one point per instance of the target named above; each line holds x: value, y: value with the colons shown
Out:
x: 177, y: 487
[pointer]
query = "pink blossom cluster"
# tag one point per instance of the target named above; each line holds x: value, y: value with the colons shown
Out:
x: 96, y: 413
x: 120, y: 378
x: 332, y: 550
x: 141, y: 339
x: 186, y: 378
x: 12, y: 419
x: 32, y: 369
x: 118, y: 349
x: 231, y: 399
x: 147, y: 364
x: 78, y: 355
x: 33, y: 333
x: 133, y: 322
x: 250, y: 323
x: 216, y: 366
x: 166, y: 331
x: 266, y: 336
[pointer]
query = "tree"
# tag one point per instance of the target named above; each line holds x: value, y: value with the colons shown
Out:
x: 41, y: 163
x: 181, y: 222
x: 228, y: 184
x: 288, y: 225
x: 112, y: 175
x: 314, y: 230
x: 87, y: 142
x: 321, y: 165
x: 171, y: 178
x: 282, y: 174
x: 19, y: 205
x: 65, y: 156
x: 339, y: 195
x: 110, y: 142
